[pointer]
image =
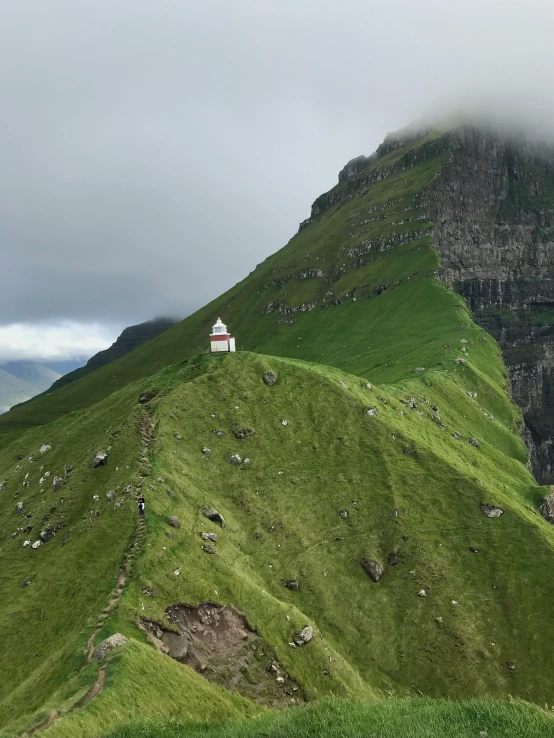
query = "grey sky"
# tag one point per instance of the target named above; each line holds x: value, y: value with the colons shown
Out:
x: 153, y: 152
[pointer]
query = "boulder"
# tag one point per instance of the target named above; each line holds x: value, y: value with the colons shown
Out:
x: 177, y: 436
x: 44, y: 448
x: 304, y: 635
x: 174, y: 522
x: 343, y: 514
x: 491, y: 511
x: 291, y: 584
x: 241, y: 433
x: 111, y: 494
x: 26, y: 583
x: 101, y: 459
x: 212, y: 514
x: 547, y: 507
x: 368, y: 386
x: 36, y: 544
x: 373, y: 569
x: 46, y: 535
x: 218, y: 433
x: 392, y: 558
x: 208, y: 549
x: 474, y: 442
x: 234, y: 459
x: 372, y: 412
x: 114, y: 641
x: 269, y: 378
x: 147, y: 396
x: 57, y: 483
x: 209, y: 537
x: 207, y: 451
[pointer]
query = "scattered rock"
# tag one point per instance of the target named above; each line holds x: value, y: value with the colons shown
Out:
x: 212, y: 514
x: 492, y: 511
x: 174, y: 521
x: 257, y: 536
x: 511, y: 665
x: 177, y: 436
x: 19, y: 507
x: 26, y: 543
x: 455, y: 603
x: 207, y: 451
x: 245, y: 461
x: 101, y: 459
x: 342, y: 384
x: 474, y: 442
x: 291, y: 584
x: 419, y: 369
x: 111, y: 494
x: 241, y: 433
x: 108, y: 645
x: 57, y: 483
x: 36, y: 544
x: 269, y: 378
x: 547, y: 507
x: 44, y: 448
x: 208, y: 549
x: 383, y: 400
x: 46, y: 535
x: 372, y: 411
x: 459, y: 360
x: 368, y: 386
x: 209, y: 537
x: 234, y: 459
x: 26, y: 583
x: 343, y: 514
x: 169, y: 535
x: 393, y: 559
x: 147, y: 396
x: 457, y: 435
x: 474, y: 550
x: 218, y: 433
x: 304, y: 635
x: 284, y: 423
x: 422, y: 593
x: 177, y: 572
x: 372, y: 568
x: 438, y: 620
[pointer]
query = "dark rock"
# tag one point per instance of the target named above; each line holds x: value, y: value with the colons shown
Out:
x: 174, y: 522
x: 269, y: 378
x: 170, y: 493
x: 241, y: 433
x: 169, y: 535
x: 147, y: 396
x: 291, y: 584
x: 474, y: 550
x: 474, y: 442
x: 257, y: 536
x: 111, y: 494
x: 218, y: 433
x: 26, y: 583
x: 372, y: 568
x: 65, y: 538
x: 492, y: 511
x: 177, y: 436
x: 101, y: 459
x: 208, y: 549
x: 212, y: 514
x: 511, y: 665
x: 207, y: 451
x: 46, y: 535
x: 303, y: 636
x: 393, y: 559
x: 234, y: 459
x: 547, y: 507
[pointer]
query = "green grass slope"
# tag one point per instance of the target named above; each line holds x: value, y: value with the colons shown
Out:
x: 352, y: 299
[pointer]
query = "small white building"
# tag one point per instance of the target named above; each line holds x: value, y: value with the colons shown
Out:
x: 220, y: 338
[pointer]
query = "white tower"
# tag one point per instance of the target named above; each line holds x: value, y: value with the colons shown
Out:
x: 220, y: 338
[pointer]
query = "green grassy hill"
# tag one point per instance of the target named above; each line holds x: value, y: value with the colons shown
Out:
x: 463, y: 607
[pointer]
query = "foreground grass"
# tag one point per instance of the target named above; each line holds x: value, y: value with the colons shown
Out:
x: 402, y: 718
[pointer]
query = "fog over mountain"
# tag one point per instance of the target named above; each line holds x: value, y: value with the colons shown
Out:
x: 152, y: 154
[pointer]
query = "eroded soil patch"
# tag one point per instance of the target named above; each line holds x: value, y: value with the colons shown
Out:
x: 217, y: 642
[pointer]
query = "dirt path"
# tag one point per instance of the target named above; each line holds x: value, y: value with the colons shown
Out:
x: 125, y: 572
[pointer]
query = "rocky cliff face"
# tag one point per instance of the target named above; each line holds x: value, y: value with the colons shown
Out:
x: 493, y: 206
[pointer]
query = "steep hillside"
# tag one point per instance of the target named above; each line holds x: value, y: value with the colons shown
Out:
x: 360, y: 479
x: 21, y: 380
x: 130, y: 338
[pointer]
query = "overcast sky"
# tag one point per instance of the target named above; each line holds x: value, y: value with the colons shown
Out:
x: 152, y: 152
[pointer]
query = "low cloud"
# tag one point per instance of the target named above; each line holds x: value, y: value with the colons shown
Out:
x: 55, y: 342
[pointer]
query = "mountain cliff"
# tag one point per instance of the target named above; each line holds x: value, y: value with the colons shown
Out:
x: 343, y: 509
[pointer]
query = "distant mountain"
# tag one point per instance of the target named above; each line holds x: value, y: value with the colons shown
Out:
x: 130, y: 338
x: 21, y: 380
x: 65, y: 367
